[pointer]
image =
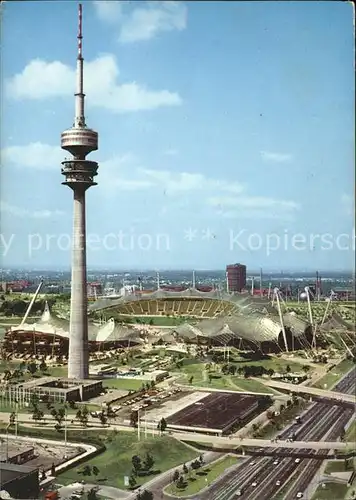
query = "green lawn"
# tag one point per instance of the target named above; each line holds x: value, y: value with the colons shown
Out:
x: 115, y: 463
x: 338, y: 466
x: 277, y: 364
x: 334, y: 375
x: 246, y: 384
x: 219, y: 380
x: 351, y: 433
x: 205, y: 476
x: 332, y: 491
x: 128, y: 384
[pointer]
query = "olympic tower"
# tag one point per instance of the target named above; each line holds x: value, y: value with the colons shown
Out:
x: 79, y: 175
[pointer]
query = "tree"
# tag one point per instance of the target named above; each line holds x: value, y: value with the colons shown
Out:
x: 196, y: 464
x: 201, y: 459
x: 132, y: 481
x: 103, y: 418
x: 162, y: 425
x: 134, y: 418
x: 87, y: 470
x: 32, y: 368
x: 92, y: 495
x: 185, y: 469
x: 43, y: 366
x: 37, y: 414
x: 95, y: 470
x: 136, y: 464
x: 12, y: 418
x: 145, y: 495
x: 175, y: 476
x: 288, y: 369
x: 191, y: 379
x: 149, y: 461
x: 180, y: 482
x: 82, y: 416
x: 60, y: 415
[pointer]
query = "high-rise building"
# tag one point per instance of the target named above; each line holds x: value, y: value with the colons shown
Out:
x: 79, y: 174
x: 235, y: 277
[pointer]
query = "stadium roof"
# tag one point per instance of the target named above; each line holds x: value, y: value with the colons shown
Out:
x: 241, y: 300
x: 254, y: 327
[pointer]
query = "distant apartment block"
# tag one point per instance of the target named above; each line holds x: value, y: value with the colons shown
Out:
x: 236, y: 277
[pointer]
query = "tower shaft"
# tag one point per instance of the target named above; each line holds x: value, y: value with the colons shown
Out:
x: 78, y: 356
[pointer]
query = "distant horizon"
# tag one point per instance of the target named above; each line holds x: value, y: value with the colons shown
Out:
x: 176, y: 269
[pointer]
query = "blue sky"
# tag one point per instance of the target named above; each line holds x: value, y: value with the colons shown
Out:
x: 226, y: 133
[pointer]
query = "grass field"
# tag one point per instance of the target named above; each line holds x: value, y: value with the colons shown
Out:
x: 202, y: 478
x: 128, y: 384
x: 219, y: 380
x: 332, y: 491
x: 338, y: 466
x: 115, y: 463
x: 277, y: 364
x: 334, y: 375
x: 351, y: 433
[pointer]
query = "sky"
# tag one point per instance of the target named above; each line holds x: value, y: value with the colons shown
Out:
x: 226, y: 134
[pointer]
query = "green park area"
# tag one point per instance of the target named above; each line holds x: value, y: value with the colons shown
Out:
x: 351, y: 433
x: 125, y: 384
x: 196, y: 374
x: 335, y: 374
x: 191, y: 481
x: 346, y: 465
x: 331, y: 491
x: 126, y: 456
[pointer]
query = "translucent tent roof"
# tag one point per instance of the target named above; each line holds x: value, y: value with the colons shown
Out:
x: 242, y: 300
x: 336, y: 322
x: 52, y: 325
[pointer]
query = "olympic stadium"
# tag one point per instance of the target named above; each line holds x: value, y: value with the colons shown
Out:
x: 190, y: 316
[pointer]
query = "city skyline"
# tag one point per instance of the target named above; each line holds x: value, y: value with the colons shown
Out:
x: 213, y: 118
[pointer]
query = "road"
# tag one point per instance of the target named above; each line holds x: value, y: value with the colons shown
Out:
x: 319, y: 422
x: 313, y: 391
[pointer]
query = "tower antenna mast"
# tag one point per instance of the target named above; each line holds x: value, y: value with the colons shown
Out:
x: 79, y: 120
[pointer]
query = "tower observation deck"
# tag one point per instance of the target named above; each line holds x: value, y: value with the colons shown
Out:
x: 79, y: 174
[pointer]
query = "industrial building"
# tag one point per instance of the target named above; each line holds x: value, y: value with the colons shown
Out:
x: 14, y: 456
x: 56, y: 389
x: 20, y: 481
x: 235, y: 277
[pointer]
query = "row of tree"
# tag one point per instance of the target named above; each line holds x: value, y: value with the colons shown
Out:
x: 31, y: 367
x: 179, y: 478
x: 18, y: 307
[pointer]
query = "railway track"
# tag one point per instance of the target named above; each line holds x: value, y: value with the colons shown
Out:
x: 320, y: 422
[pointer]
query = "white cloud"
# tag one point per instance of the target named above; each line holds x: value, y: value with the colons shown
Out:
x: 175, y: 183
x: 254, y: 207
x: 34, y: 155
x: 144, y: 22
x: 276, y: 157
x: 43, y: 80
x: 108, y: 11
x: 122, y: 172
x: 24, y: 213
